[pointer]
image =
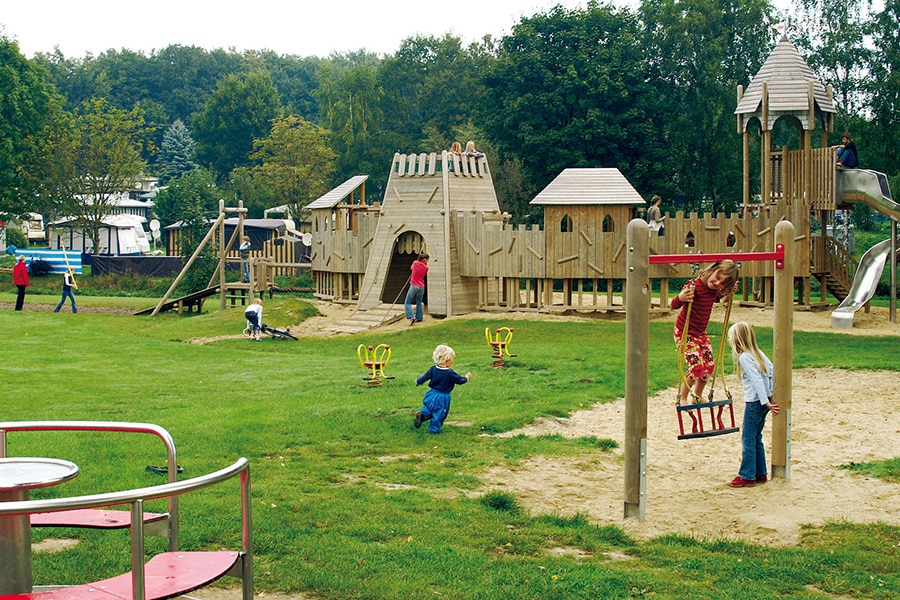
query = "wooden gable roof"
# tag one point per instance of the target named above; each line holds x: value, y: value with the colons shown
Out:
x: 601, y: 186
x: 336, y: 195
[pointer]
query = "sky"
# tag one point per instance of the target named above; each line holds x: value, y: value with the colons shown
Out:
x: 293, y: 27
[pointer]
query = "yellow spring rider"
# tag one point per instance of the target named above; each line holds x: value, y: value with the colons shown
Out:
x: 374, y: 359
x: 499, y: 343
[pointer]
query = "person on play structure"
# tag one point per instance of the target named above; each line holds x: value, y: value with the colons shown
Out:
x: 756, y: 373
x: 416, y: 291
x: 846, y: 153
x: 655, y: 216
x: 253, y: 314
x: 67, y: 287
x: 700, y: 294
x: 244, y: 250
x: 442, y: 379
x: 471, y: 151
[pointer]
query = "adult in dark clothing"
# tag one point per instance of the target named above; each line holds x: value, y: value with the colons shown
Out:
x: 20, y: 279
x: 846, y: 153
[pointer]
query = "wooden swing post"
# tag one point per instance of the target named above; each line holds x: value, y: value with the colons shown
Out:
x: 637, y: 318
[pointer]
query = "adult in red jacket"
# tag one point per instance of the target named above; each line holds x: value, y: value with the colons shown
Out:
x: 416, y: 291
x: 20, y: 278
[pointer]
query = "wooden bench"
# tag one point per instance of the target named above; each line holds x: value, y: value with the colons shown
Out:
x: 156, y: 524
x: 167, y: 574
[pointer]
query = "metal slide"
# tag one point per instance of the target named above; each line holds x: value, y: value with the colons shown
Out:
x: 869, y: 188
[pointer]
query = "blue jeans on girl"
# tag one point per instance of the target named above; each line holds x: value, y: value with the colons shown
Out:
x: 753, y: 454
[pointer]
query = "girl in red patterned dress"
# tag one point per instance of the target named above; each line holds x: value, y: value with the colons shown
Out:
x: 712, y: 284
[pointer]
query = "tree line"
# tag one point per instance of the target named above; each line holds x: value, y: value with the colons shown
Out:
x: 649, y: 90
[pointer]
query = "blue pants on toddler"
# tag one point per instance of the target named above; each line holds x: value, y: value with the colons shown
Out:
x: 435, y: 407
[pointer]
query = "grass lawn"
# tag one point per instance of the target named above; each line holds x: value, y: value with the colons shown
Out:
x: 349, y: 500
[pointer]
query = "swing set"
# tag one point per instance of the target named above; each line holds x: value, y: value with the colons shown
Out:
x: 697, y: 407
x: 717, y: 424
x: 638, y: 261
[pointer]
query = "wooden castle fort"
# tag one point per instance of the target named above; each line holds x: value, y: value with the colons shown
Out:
x: 445, y: 204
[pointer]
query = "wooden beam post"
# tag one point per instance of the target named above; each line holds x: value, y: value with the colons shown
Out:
x: 783, y: 352
x: 637, y: 335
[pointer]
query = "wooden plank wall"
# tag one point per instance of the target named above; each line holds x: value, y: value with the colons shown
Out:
x: 820, y: 196
x: 587, y: 250
x: 289, y: 252
x: 517, y: 267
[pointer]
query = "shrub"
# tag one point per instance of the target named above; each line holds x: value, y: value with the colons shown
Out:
x: 15, y: 237
x: 39, y: 267
x: 501, y: 501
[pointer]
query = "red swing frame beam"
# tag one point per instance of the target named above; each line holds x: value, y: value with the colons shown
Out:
x: 669, y: 259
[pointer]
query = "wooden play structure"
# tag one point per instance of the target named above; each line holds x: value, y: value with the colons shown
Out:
x: 262, y: 275
x: 445, y: 204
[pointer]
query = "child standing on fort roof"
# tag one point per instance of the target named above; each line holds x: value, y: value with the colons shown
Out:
x: 712, y: 284
x: 436, y: 403
x: 756, y: 372
x: 471, y: 151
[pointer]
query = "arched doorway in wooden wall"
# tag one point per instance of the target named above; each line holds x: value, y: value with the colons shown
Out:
x: 407, y: 247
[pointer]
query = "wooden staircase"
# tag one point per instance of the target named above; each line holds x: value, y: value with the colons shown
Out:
x: 839, y: 270
x: 837, y: 288
x: 362, y: 320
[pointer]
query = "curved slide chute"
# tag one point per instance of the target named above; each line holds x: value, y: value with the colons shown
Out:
x: 862, y: 186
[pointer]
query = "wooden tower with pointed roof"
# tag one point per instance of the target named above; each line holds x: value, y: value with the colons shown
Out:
x: 784, y: 88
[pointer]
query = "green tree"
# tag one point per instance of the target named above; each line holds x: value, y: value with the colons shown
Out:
x: 191, y: 192
x: 432, y: 84
x: 176, y: 156
x: 832, y: 36
x: 697, y: 53
x: 884, y: 89
x: 27, y: 102
x: 296, y: 164
x: 240, y: 111
x: 569, y: 89
x: 90, y: 159
x: 352, y: 111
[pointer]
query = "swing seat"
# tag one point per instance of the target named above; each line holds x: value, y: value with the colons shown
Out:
x: 699, y: 429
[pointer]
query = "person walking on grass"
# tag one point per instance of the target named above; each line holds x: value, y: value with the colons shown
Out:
x: 756, y: 372
x: 67, y: 287
x: 442, y: 379
x: 20, y: 279
x: 416, y: 291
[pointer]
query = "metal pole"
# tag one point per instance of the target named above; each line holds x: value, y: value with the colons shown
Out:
x: 637, y: 334
x: 893, y: 311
